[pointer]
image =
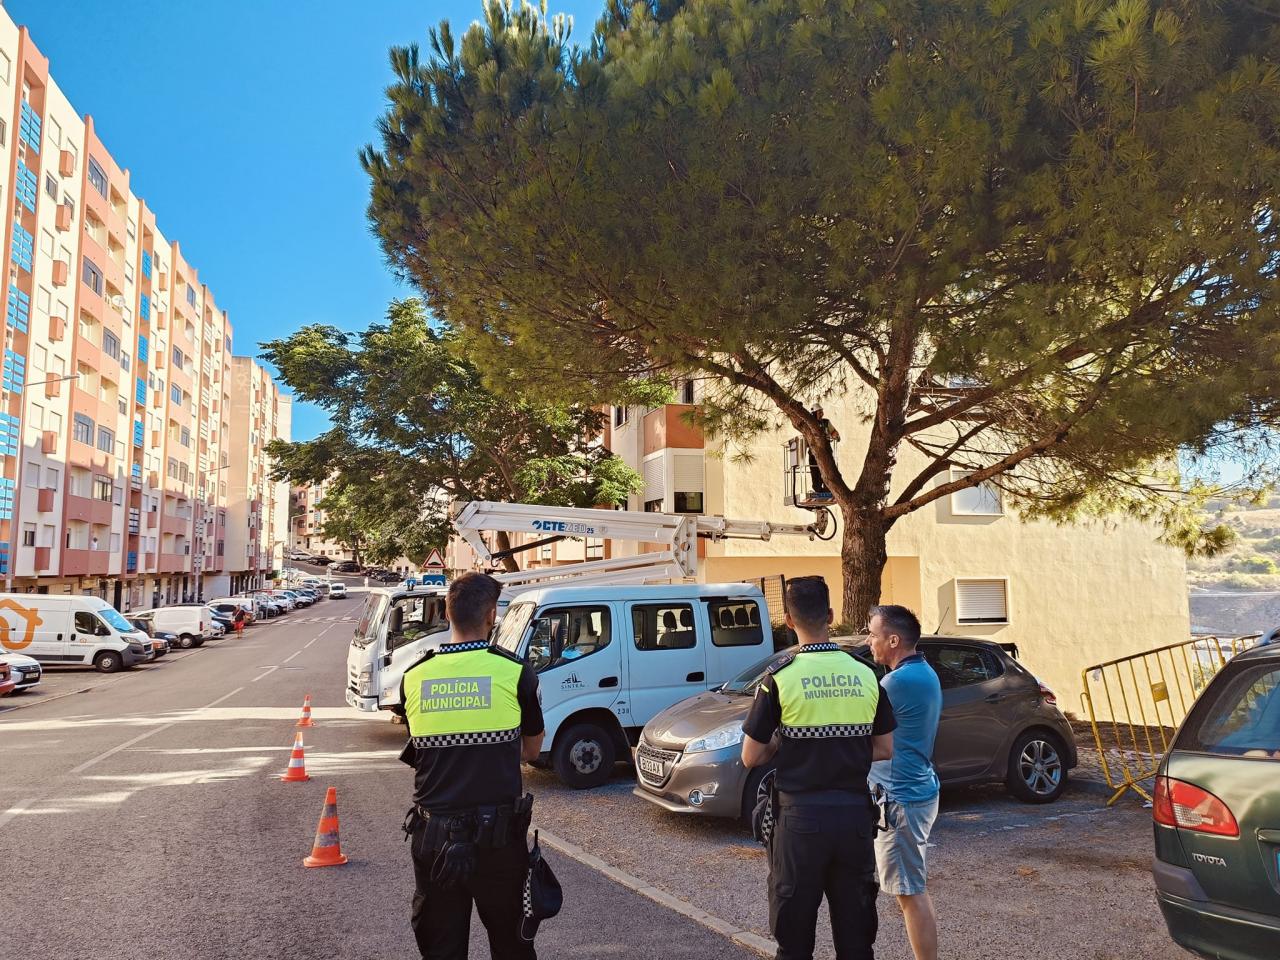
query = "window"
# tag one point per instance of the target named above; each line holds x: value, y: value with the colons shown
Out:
x: 684, y: 391
x: 28, y: 534
x: 31, y: 477
x: 1239, y: 715
x: 568, y: 634
x: 83, y: 429
x: 97, y: 178
x: 982, y: 601
x: 595, y: 548
x: 980, y: 501
x: 110, y: 344
x: 175, y: 393
x: 92, y: 276
x: 51, y: 186
x: 115, y: 543
x: 177, y: 358
x: 55, y: 133
x: 191, y: 299
x: 86, y: 622
x: 106, y: 440
x: 6, y: 67
x: 102, y: 489
x: 412, y: 618
x: 653, y: 506
x: 658, y: 626
x: 51, y: 476
x: 961, y: 666
x: 125, y: 361
x: 688, y: 502
x: 184, y: 437
x: 46, y: 243
x: 735, y: 623
x: 619, y: 416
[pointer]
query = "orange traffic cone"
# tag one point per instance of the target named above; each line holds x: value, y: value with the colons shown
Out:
x: 297, y: 770
x: 326, y: 850
x: 306, y: 712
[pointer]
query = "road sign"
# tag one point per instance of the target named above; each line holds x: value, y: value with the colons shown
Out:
x: 432, y: 580
x: 434, y: 560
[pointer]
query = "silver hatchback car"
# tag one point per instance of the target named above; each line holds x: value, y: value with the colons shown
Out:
x: 998, y: 723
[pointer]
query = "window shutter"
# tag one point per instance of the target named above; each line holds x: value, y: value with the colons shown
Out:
x: 981, y: 601
x: 654, y: 488
x: 688, y: 473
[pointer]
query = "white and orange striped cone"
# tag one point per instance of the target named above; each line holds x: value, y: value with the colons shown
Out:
x: 326, y: 850
x: 306, y: 712
x: 297, y: 770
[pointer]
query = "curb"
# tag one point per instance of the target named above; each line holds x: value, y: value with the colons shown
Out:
x: 753, y: 941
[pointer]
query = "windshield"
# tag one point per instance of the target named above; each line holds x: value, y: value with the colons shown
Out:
x: 511, y: 629
x: 116, y: 621
x: 369, y: 619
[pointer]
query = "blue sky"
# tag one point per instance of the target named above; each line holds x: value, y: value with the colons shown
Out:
x: 240, y: 121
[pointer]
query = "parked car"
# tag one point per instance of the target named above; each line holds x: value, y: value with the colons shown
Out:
x: 322, y: 560
x: 300, y: 555
x: 23, y: 670
x: 72, y: 630
x: 227, y: 605
x: 314, y: 594
x: 192, y: 624
x: 7, y: 686
x: 998, y: 723
x: 1217, y: 816
x: 286, y: 598
x: 299, y: 599
x: 337, y: 590
x: 224, y: 619
x: 346, y: 566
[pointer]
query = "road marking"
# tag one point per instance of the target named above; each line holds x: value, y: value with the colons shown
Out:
x: 292, y: 655
x: 150, y: 733
x: 19, y: 808
x: 746, y: 938
x: 270, y: 670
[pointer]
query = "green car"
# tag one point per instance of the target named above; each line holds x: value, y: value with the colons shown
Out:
x: 1217, y: 816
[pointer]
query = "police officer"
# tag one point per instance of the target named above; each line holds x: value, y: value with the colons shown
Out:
x: 822, y: 714
x: 473, y: 715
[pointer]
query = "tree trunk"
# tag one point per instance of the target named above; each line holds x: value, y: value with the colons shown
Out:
x: 863, y: 556
x: 504, y: 543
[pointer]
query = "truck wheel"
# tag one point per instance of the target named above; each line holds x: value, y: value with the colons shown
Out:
x: 108, y: 661
x: 584, y: 756
x: 186, y: 641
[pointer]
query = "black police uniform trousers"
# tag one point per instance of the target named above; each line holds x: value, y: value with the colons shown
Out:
x: 822, y: 845
x: 441, y: 916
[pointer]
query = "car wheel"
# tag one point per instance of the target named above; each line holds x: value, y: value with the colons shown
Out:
x: 584, y: 756
x: 198, y: 642
x: 186, y: 641
x: 1037, y: 771
x: 759, y: 783
x: 108, y: 662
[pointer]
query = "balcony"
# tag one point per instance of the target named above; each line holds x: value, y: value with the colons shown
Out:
x: 85, y: 562
x: 53, y: 388
x: 666, y: 427
x: 62, y: 219
x: 44, y: 499
x: 48, y: 441
x: 66, y: 163
x: 57, y: 328
x: 153, y: 518
x: 43, y: 558
x: 149, y: 561
x: 88, y: 509
x: 162, y: 281
x: 173, y: 562
x: 60, y: 271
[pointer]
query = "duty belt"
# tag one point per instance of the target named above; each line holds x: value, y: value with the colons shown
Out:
x: 485, y: 826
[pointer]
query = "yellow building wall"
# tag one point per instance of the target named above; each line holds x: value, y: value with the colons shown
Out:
x: 1078, y: 594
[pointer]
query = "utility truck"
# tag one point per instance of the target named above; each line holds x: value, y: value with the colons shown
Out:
x: 614, y: 641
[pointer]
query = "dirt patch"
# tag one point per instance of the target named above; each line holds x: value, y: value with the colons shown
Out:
x: 1085, y: 857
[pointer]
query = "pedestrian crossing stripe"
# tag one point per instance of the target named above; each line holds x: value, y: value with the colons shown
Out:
x: 319, y: 620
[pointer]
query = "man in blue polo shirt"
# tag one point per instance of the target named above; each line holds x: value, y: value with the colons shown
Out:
x: 907, y: 785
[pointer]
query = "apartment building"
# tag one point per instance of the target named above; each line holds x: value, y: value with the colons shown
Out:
x: 1068, y: 595
x: 258, y: 519
x: 115, y: 413
x: 307, y: 530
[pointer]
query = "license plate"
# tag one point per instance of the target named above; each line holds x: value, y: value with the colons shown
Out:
x: 651, y: 767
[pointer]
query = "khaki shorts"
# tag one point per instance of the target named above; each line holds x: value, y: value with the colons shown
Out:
x: 901, y: 849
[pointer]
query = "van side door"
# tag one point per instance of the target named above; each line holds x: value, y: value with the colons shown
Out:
x: 87, y: 634
x: 575, y: 651
x: 666, y: 662
x: 736, y: 626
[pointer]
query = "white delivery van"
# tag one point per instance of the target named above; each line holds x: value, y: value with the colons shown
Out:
x: 191, y: 624
x: 396, y: 627
x: 609, y: 658
x: 70, y: 630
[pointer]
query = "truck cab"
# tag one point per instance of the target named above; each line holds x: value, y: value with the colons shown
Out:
x: 609, y: 658
x: 396, y: 627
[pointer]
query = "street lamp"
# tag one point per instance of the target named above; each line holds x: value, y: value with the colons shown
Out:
x: 17, y: 482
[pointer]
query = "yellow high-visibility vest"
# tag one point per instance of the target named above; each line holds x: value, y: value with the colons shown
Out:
x: 827, y: 694
x: 462, y: 697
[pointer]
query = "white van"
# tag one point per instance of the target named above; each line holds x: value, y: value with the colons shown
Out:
x: 608, y: 658
x: 191, y: 624
x: 70, y: 630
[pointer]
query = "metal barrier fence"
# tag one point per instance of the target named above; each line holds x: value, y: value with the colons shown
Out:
x: 1136, y: 703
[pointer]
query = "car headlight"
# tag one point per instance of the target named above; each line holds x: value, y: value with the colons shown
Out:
x: 729, y: 735
x: 364, y: 683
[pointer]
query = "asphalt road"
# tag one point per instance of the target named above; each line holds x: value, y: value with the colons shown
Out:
x: 144, y: 818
